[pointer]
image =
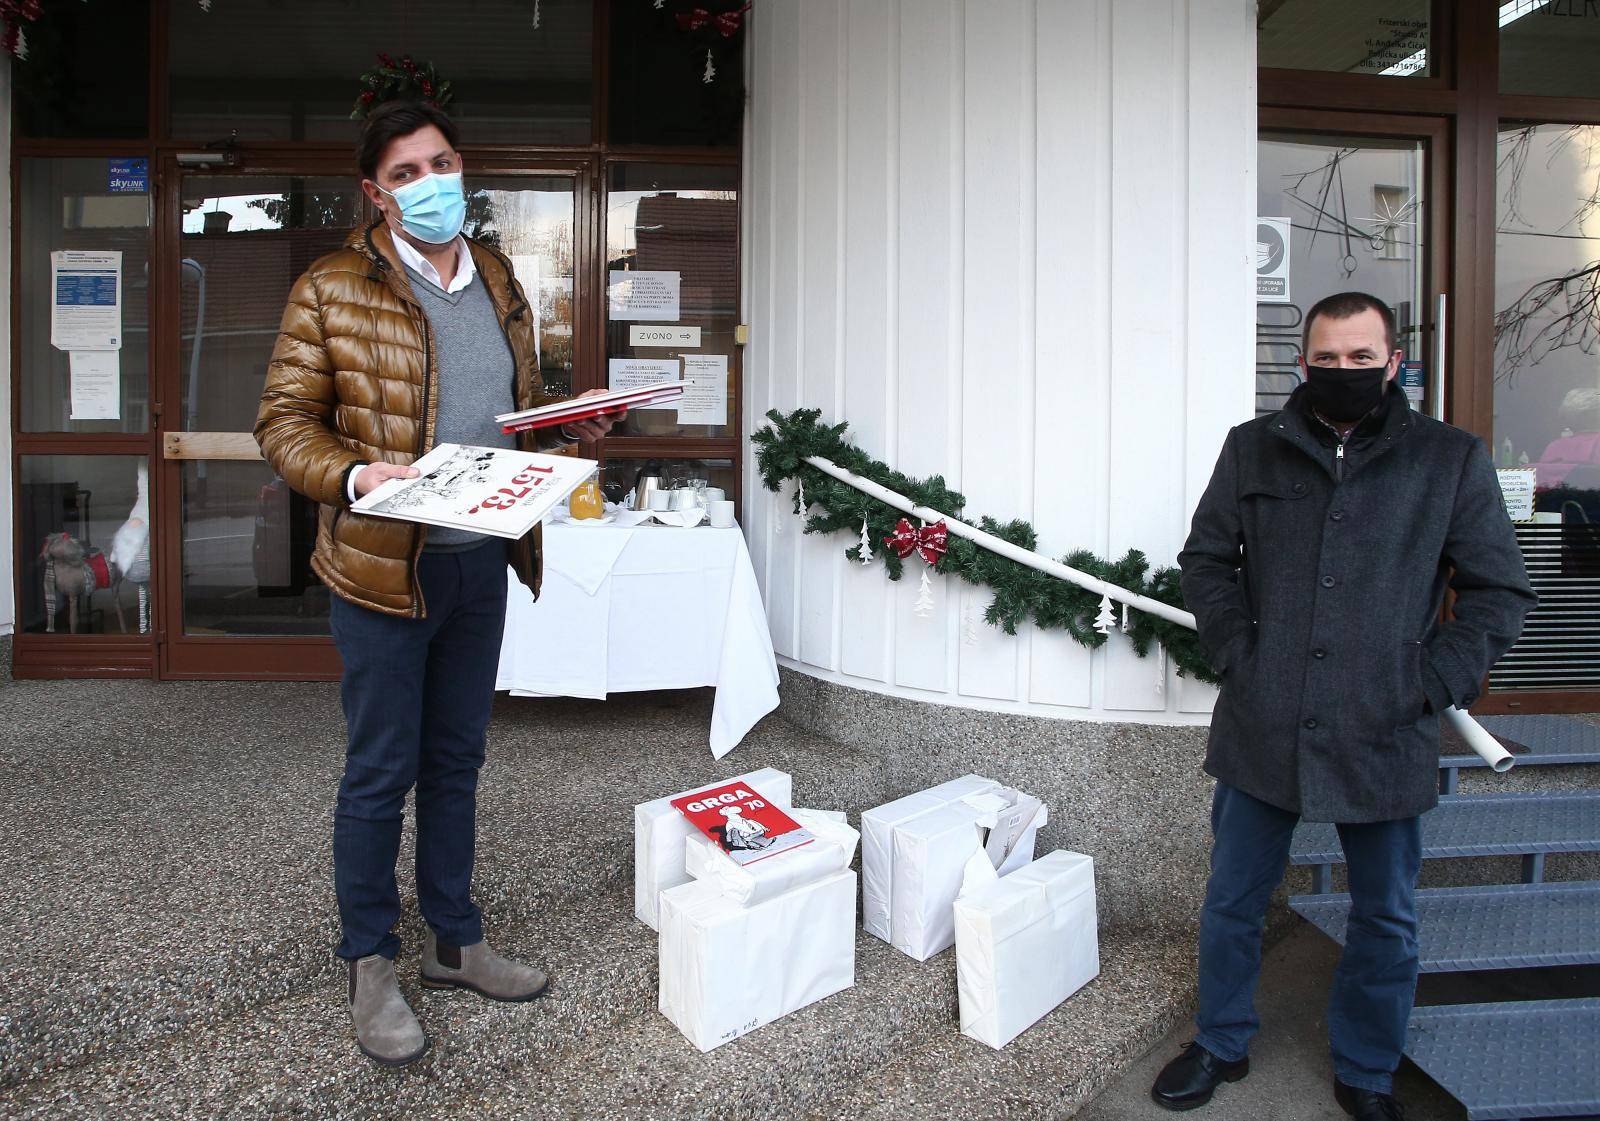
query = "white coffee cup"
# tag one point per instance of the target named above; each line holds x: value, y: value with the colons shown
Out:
x: 721, y: 511
x: 683, y: 499
x: 661, y: 500
x: 714, y: 494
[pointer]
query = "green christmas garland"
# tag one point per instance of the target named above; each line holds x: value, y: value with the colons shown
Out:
x: 1020, y: 593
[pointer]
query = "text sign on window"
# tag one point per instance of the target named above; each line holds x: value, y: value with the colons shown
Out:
x: 128, y: 177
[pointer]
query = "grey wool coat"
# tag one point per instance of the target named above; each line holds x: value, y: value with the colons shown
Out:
x: 1316, y: 570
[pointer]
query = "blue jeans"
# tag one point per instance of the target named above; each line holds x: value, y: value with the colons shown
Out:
x: 417, y: 696
x: 1376, y: 981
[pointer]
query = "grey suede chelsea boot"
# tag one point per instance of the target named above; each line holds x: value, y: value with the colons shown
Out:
x: 480, y: 969
x: 386, y: 1031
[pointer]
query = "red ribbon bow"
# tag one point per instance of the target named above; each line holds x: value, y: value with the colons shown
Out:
x: 930, y: 542
x: 726, y: 22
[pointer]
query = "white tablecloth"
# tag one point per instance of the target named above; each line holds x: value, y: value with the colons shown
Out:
x: 651, y: 607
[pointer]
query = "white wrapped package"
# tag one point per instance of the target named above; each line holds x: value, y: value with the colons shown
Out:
x: 750, y: 884
x: 1024, y: 943
x: 877, y: 844
x: 728, y: 969
x: 659, y: 833
x: 931, y: 852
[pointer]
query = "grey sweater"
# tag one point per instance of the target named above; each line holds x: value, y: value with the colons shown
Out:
x: 475, y: 372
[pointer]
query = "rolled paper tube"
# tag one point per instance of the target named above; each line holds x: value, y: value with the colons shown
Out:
x: 1478, y: 738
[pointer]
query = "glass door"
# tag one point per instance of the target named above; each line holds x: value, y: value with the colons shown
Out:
x: 1344, y: 206
x: 239, y: 596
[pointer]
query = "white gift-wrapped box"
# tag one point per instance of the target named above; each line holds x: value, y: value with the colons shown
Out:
x: 659, y: 833
x: 761, y: 880
x: 1024, y: 943
x: 929, y: 851
x: 877, y: 844
x: 727, y: 969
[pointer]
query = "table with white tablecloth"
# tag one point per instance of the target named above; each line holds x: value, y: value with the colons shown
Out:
x: 647, y: 607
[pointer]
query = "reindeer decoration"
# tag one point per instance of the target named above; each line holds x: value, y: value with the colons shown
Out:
x: 75, y: 571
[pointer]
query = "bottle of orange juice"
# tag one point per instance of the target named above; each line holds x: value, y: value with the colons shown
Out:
x: 586, y: 501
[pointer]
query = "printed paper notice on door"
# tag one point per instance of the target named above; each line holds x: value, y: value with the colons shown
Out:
x: 86, y: 300
x: 96, y: 380
x: 650, y: 296
x: 1516, y: 489
x: 705, y: 389
x: 636, y: 373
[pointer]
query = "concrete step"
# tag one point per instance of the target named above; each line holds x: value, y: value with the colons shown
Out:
x: 598, y: 1032
x: 1514, y: 1059
x: 1502, y: 926
x: 1470, y: 825
x: 170, y: 907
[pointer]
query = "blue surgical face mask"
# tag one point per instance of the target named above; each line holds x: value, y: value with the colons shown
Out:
x: 432, y: 208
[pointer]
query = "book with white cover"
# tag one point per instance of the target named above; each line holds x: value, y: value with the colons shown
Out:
x: 498, y: 491
x: 596, y: 404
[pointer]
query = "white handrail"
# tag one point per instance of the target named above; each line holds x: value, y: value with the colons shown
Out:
x: 1474, y: 734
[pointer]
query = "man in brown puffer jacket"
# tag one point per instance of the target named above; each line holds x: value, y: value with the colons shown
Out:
x: 409, y: 336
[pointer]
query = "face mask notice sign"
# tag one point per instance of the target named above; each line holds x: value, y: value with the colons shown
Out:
x: 745, y: 826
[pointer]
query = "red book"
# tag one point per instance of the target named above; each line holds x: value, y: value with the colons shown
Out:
x: 582, y: 408
x: 746, y: 826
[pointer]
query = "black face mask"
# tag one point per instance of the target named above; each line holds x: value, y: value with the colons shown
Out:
x: 1345, y: 394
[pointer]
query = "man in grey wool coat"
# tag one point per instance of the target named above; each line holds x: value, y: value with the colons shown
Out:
x: 1316, y: 566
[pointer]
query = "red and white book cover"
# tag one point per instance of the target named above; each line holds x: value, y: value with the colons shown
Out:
x: 582, y: 408
x: 746, y: 826
x: 497, y: 491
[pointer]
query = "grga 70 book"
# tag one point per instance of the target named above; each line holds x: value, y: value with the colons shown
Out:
x: 746, y: 826
x: 498, y: 491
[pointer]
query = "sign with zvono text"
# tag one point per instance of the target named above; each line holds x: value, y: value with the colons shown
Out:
x: 1516, y: 489
x: 673, y: 336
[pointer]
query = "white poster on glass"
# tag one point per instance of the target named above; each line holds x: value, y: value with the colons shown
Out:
x: 96, y: 380
x: 86, y: 299
x: 705, y: 389
x: 646, y: 295
x: 636, y: 373
x: 1272, y: 260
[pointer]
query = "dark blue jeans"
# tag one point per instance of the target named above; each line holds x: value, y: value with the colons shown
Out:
x: 1377, y: 976
x: 417, y: 695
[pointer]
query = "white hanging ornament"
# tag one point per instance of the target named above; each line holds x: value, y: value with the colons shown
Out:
x: 1107, y: 618
x: 1161, y: 669
x: 660, y: 4
x: 777, y: 521
x: 1125, y: 618
x: 711, y: 69
x: 924, y: 605
x: 537, y: 15
x: 969, y: 627
x: 865, y: 548
x: 800, y: 496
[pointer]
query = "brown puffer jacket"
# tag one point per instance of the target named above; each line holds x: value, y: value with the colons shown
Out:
x: 352, y: 381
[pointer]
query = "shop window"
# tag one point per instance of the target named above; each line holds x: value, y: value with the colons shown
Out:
x: 1550, y: 47
x: 618, y: 477
x: 89, y: 205
x: 87, y: 73
x: 672, y: 269
x: 1390, y: 39
x: 84, y: 547
x: 245, y: 241
x: 289, y: 69
x: 247, y: 541
x: 1335, y: 213
x: 530, y: 221
x: 673, y: 84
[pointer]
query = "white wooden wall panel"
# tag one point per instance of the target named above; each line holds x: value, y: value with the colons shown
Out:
x: 869, y: 292
x: 1008, y: 243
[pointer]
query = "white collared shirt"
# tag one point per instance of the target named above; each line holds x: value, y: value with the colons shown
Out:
x: 414, y: 260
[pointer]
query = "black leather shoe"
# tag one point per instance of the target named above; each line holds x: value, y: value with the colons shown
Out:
x: 1367, y: 1105
x: 1188, y: 1081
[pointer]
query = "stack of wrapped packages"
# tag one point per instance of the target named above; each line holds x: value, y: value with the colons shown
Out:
x: 954, y: 866
x: 755, y: 906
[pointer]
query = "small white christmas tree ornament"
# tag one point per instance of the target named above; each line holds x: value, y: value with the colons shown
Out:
x: 924, y: 605
x: 537, y: 15
x: 1107, y: 618
x: 711, y: 70
x: 866, y: 544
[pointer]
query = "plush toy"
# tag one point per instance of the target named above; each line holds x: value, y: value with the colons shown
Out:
x: 75, y: 571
